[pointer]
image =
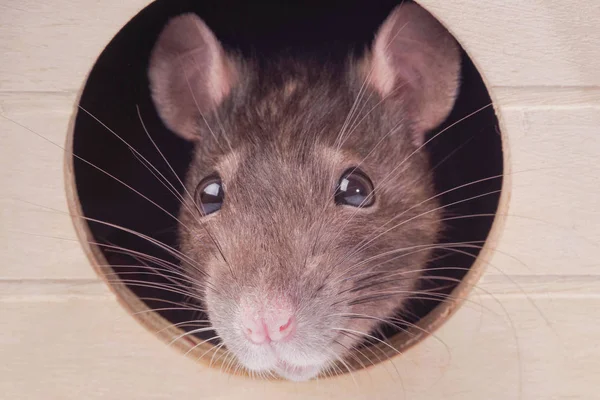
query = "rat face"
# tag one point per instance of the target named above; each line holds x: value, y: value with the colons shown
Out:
x: 305, y: 246
x: 306, y: 223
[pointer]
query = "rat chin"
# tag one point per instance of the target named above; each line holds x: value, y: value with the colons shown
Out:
x: 271, y: 360
x: 292, y: 371
x: 297, y: 373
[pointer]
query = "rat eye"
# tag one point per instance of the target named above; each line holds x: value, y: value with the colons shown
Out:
x: 209, y: 195
x: 355, y: 189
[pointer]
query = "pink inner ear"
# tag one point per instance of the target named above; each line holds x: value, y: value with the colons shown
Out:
x: 189, y: 73
x: 219, y: 79
x: 415, y: 58
x: 205, y: 75
x: 382, y: 76
x: 397, y: 57
x: 203, y: 63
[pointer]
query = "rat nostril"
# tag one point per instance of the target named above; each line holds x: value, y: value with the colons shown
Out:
x: 254, y: 329
x: 287, y: 325
x: 285, y: 331
x: 272, y: 322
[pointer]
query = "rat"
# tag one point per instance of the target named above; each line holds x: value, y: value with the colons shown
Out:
x: 310, y: 211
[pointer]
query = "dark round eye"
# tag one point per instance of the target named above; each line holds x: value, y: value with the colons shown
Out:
x: 209, y: 195
x: 355, y: 189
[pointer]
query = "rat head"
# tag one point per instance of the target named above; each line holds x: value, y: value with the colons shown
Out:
x: 309, y: 211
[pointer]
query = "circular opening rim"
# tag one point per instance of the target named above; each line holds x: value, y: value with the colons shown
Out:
x: 192, y: 346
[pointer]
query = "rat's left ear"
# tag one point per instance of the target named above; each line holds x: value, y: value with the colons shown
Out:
x: 416, y: 59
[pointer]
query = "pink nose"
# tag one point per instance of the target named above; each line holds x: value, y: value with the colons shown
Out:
x: 270, y: 327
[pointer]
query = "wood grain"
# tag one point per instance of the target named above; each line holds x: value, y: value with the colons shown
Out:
x: 51, y: 46
x: 87, y: 347
x: 532, y: 43
x: 516, y: 43
x: 528, y: 330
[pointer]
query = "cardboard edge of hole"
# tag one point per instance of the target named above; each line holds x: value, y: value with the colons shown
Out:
x: 194, y: 347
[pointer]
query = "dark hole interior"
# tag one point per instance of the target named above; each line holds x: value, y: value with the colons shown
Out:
x: 469, y: 151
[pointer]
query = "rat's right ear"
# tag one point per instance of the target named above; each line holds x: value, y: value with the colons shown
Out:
x: 189, y: 74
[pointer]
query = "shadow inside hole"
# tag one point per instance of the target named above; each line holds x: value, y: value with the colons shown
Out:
x: 469, y: 151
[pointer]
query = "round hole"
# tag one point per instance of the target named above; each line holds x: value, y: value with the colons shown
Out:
x: 117, y: 191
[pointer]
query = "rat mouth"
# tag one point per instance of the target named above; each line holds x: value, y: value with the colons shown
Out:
x: 296, y: 373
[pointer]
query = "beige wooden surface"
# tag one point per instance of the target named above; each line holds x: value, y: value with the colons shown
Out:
x: 63, y: 336
x: 58, y: 344
x: 533, y: 43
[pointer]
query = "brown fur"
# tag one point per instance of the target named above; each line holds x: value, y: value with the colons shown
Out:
x: 274, y: 141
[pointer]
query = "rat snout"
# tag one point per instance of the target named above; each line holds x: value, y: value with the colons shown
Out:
x: 272, y: 321
x: 266, y: 330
